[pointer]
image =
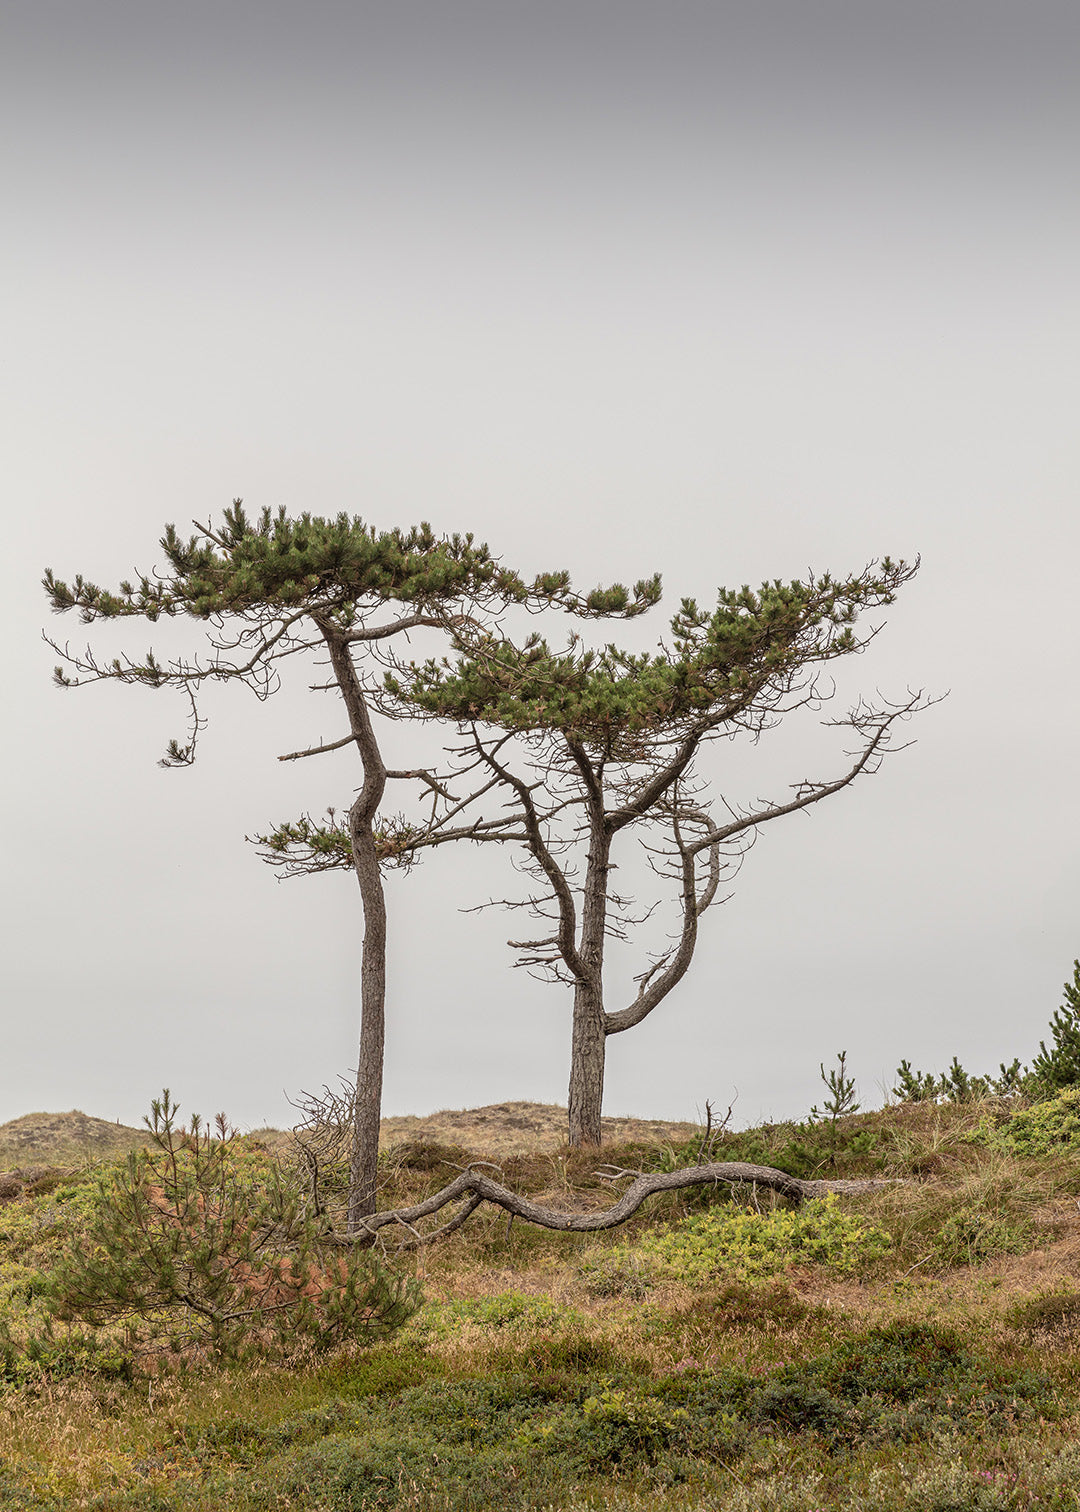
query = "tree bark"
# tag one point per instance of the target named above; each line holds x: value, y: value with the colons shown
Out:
x: 369, y: 1066
x: 587, y: 1048
x: 369, y: 1069
x: 588, y: 1041
x: 474, y: 1187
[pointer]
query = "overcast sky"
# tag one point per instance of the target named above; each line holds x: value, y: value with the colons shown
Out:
x: 727, y: 291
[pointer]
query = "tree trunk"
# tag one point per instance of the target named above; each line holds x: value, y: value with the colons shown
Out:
x: 367, y: 1114
x: 363, y: 1167
x: 586, y: 1067
x: 587, y: 1044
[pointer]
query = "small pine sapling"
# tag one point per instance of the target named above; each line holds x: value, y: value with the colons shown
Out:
x: 197, y: 1244
x: 957, y: 1085
x: 840, y: 1101
x: 915, y: 1086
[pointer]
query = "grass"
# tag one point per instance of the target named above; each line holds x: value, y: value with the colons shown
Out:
x: 938, y: 1371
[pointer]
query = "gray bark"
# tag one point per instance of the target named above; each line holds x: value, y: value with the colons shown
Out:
x: 588, y: 1046
x: 475, y: 1188
x: 369, y: 1069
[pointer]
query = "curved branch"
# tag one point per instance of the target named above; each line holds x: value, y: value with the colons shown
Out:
x: 383, y: 632
x: 878, y: 722
x: 483, y: 1189
x: 668, y: 972
x: 564, y: 898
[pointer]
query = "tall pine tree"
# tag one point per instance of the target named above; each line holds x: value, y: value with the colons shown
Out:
x: 591, y: 746
x: 273, y: 588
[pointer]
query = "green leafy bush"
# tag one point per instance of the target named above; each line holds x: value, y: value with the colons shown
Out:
x: 751, y: 1245
x: 620, y: 1272
x: 929, y: 1372
x: 970, y: 1236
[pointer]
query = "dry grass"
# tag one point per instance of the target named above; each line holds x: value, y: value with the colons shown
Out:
x: 495, y: 1132
x: 64, y: 1139
x: 521, y: 1128
x: 504, y: 1299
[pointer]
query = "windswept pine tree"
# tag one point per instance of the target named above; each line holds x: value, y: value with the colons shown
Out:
x: 276, y: 587
x: 592, y: 745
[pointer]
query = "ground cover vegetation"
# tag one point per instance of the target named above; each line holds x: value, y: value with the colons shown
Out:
x: 915, y: 1345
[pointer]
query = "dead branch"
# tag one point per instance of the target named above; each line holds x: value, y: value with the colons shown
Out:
x: 477, y: 1189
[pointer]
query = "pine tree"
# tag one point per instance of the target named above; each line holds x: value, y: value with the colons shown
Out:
x: 589, y: 745
x: 195, y: 1243
x: 1059, y: 1066
x: 269, y: 589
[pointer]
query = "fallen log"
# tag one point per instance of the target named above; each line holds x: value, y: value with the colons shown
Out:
x: 472, y: 1188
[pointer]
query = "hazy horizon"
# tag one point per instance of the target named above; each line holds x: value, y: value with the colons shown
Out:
x: 724, y: 292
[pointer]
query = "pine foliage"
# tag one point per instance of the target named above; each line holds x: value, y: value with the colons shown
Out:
x: 725, y: 667
x: 197, y: 1244
x: 1059, y: 1066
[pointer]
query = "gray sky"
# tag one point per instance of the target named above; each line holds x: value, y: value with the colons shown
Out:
x: 728, y: 291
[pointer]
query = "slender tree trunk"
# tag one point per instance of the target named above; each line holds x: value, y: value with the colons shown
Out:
x: 369, y: 1070
x: 369, y: 1066
x: 588, y: 1040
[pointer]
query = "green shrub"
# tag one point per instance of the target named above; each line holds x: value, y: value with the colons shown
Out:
x: 751, y: 1245
x: 199, y: 1244
x: 970, y: 1236
x: 16, y: 1492
x: 927, y: 1371
x: 57, y: 1355
x: 742, y: 1304
x: 952, y: 1487
x: 510, y: 1312
x: 1042, y: 1129
x: 620, y: 1272
x: 1047, y: 1314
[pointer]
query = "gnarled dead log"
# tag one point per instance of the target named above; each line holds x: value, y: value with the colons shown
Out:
x: 474, y: 1187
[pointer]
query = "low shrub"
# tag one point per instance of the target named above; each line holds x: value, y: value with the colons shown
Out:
x: 1051, y: 1314
x: 621, y: 1272
x: 58, y: 1354
x: 1042, y: 1129
x: 198, y: 1244
x: 752, y: 1245
x: 771, y: 1307
x: 928, y: 1372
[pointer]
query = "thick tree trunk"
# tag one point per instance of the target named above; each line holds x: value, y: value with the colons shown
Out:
x: 587, y: 1048
x: 588, y: 1040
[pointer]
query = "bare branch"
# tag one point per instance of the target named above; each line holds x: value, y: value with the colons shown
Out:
x: 542, y: 854
x: 878, y: 722
x: 383, y: 632
x: 482, y: 1189
x: 335, y: 745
